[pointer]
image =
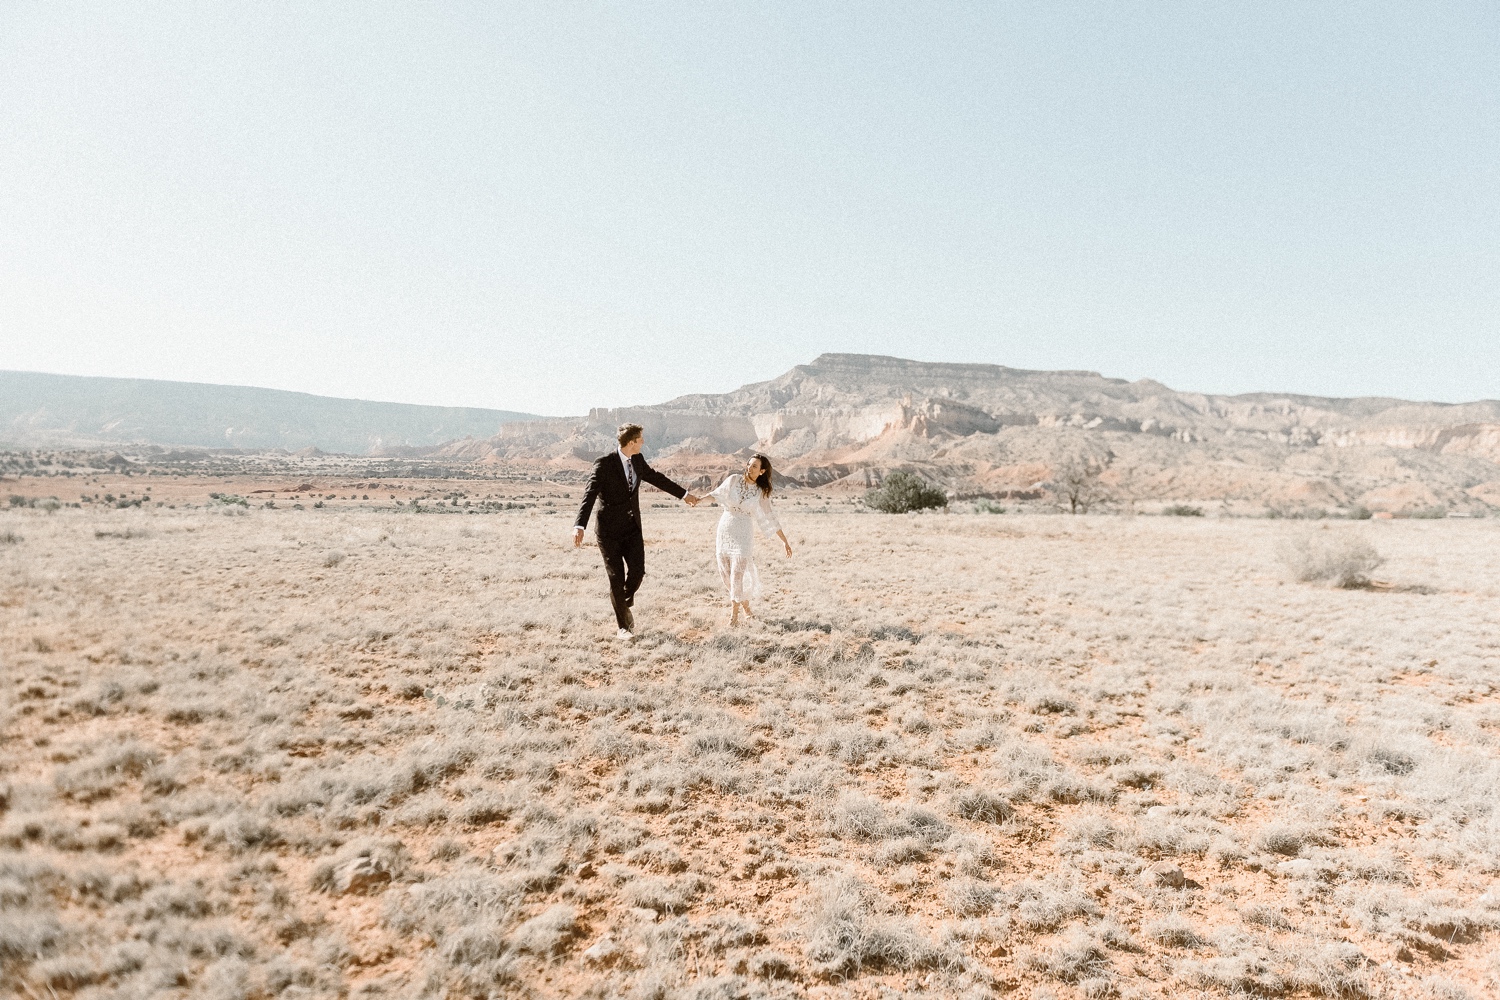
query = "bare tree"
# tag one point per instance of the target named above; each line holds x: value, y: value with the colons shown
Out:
x: 1076, y: 480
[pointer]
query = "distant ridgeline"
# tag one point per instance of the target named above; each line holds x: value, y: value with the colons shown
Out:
x: 996, y: 431
x: 845, y: 420
x: 70, y: 411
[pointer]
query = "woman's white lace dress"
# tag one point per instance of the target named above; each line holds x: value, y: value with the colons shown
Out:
x: 734, y: 543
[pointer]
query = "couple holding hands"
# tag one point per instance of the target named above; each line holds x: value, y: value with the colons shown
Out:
x: 615, y: 486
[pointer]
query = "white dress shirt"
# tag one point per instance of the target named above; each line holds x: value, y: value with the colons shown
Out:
x: 629, y: 468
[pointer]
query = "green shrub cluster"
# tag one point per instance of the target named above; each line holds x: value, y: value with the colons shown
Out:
x: 902, y: 492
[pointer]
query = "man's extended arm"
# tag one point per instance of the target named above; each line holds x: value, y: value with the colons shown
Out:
x: 666, y: 485
x: 590, y: 492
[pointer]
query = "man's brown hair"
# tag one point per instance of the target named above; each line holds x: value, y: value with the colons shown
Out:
x: 628, y: 433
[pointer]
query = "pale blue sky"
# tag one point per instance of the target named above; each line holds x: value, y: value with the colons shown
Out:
x: 553, y: 206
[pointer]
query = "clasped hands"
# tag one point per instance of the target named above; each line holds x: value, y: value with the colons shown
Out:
x: 691, y: 499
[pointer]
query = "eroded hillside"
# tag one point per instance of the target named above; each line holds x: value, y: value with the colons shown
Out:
x: 989, y: 430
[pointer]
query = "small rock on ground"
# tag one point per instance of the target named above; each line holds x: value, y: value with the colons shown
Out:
x: 1163, y: 873
x: 362, y: 876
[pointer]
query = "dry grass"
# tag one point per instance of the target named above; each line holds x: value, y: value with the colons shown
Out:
x: 352, y: 752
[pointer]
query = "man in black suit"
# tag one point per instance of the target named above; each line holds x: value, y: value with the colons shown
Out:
x: 615, y: 484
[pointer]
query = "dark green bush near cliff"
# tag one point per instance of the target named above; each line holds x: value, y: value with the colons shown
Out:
x: 902, y: 492
x: 1182, y: 510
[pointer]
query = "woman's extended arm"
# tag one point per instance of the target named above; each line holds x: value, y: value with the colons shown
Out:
x: 769, y: 522
x: 717, y: 495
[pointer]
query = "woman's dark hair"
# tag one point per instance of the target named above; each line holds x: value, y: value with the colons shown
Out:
x: 764, y: 479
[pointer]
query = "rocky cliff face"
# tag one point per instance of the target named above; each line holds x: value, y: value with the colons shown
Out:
x: 990, y: 429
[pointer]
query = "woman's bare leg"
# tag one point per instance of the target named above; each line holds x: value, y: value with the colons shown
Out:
x: 748, y: 612
x: 726, y: 570
x: 734, y: 613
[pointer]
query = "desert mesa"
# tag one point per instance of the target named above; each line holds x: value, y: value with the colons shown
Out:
x: 986, y: 430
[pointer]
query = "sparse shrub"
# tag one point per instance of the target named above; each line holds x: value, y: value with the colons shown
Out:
x: 664, y: 895
x: 1239, y: 974
x: 1171, y: 839
x: 1136, y: 775
x: 1359, y: 512
x: 484, y: 809
x: 10, y: 538
x: 242, y: 831
x: 771, y: 965
x: 1070, y: 788
x: 1440, y: 988
x: 917, y: 723
x: 894, y: 633
x: 1391, y: 759
x: 1076, y: 482
x: 982, y: 806
x: 25, y: 937
x: 459, y: 911
x: 723, y: 931
x: 853, y: 744
x: 903, y: 492
x: 332, y: 558
x: 547, y: 933
x: 447, y: 849
x: 1332, y: 970
x: 986, y: 506
x: 1091, y: 830
x: 903, y: 851
x: 99, y: 776
x: 126, y: 534
x: 658, y: 856
x: 970, y: 897
x: 1266, y: 916
x: 1280, y: 838
x: 1435, y: 513
x: 857, y: 817
x: 845, y: 936
x: 1173, y: 931
x: 1075, y: 959
x: 1116, y: 936
x: 1050, y: 703
x: 1048, y: 904
x: 177, y: 899
x: 1182, y: 510
x: 1338, y: 559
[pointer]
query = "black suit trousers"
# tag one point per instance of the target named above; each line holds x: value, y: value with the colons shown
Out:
x: 625, y: 565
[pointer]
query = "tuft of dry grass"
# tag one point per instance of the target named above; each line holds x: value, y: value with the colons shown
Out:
x: 1340, y: 559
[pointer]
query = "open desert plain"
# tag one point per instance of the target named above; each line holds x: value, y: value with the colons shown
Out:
x: 380, y: 749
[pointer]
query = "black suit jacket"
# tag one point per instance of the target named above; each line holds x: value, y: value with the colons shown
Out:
x: 619, y: 505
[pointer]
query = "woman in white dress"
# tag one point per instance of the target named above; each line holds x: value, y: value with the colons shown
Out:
x: 746, y: 498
